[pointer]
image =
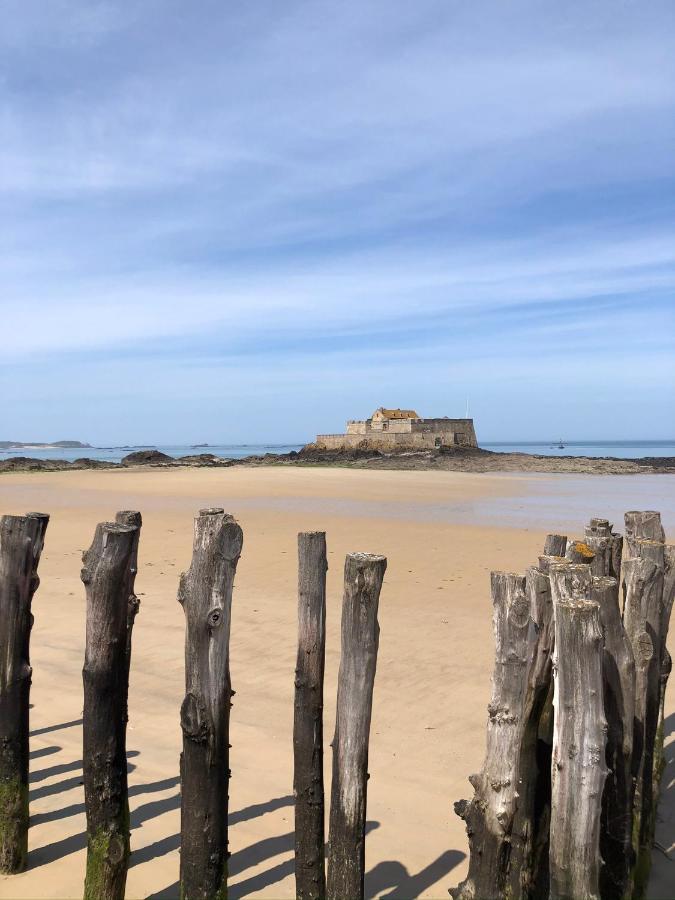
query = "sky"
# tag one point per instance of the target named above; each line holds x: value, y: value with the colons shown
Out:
x: 250, y: 221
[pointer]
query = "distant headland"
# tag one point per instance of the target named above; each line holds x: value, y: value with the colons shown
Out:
x: 40, y: 445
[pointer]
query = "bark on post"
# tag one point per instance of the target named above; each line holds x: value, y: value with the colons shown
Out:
x: 310, y: 877
x: 643, y: 593
x: 618, y: 670
x: 205, y: 594
x: 555, y: 545
x: 578, y: 771
x: 133, y: 518
x: 364, y: 574
x: 21, y: 542
x: 106, y: 577
x: 489, y: 816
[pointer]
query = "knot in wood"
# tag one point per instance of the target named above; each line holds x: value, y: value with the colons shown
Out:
x: 519, y: 614
x: 461, y: 808
x: 215, y: 617
x: 116, y: 849
x: 193, y: 719
x: 645, y: 647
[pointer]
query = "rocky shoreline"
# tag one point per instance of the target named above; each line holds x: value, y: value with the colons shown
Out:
x: 450, y: 460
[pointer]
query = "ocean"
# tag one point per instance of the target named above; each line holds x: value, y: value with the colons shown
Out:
x: 620, y: 449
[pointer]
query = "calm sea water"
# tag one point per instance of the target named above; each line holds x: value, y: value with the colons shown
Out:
x: 621, y: 449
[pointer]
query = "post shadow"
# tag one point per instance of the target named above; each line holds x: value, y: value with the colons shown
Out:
x: 44, y: 751
x: 58, y: 727
x: 393, y: 874
x: 76, y: 808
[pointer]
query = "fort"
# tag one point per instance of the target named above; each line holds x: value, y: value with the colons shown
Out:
x: 400, y: 429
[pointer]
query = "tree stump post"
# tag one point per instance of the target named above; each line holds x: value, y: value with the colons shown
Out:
x: 578, y: 771
x: 607, y: 546
x: 643, y: 595
x: 364, y: 574
x: 666, y: 662
x: 106, y: 578
x: 310, y: 873
x: 490, y: 814
x: 618, y: 672
x: 21, y: 542
x: 555, y: 545
x: 133, y: 518
x: 205, y: 594
x: 578, y: 552
x: 642, y: 525
x: 528, y: 858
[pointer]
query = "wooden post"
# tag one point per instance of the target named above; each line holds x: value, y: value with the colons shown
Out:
x: 555, y: 545
x: 310, y: 874
x: 578, y: 771
x: 528, y: 859
x: 106, y: 578
x: 666, y: 662
x: 618, y: 671
x: 364, y: 574
x: 607, y: 546
x: 489, y: 815
x: 133, y: 518
x: 21, y: 542
x: 642, y: 525
x: 643, y: 594
x: 579, y: 552
x: 205, y: 594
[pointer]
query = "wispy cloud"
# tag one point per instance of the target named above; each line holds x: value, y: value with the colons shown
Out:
x: 415, y: 196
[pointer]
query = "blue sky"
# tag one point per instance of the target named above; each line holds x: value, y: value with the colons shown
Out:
x: 253, y: 220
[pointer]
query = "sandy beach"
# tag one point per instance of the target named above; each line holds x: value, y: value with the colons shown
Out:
x: 442, y: 532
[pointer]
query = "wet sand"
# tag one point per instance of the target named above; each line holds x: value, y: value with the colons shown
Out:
x: 442, y: 532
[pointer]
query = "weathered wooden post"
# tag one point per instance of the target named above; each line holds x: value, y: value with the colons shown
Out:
x: 21, y: 542
x: 579, y: 552
x: 364, y: 574
x: 205, y: 594
x: 607, y: 546
x: 528, y: 859
x: 555, y: 545
x: 310, y: 874
x: 642, y: 525
x: 489, y: 816
x: 105, y: 575
x: 643, y: 593
x: 618, y: 672
x: 666, y: 661
x: 131, y: 517
x: 578, y: 770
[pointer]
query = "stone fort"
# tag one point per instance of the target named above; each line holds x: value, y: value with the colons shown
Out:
x: 400, y: 429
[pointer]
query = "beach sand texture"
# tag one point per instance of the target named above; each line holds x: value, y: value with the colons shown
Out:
x: 442, y: 534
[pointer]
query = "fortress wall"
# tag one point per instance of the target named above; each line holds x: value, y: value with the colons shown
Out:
x: 461, y: 427
x: 425, y: 434
x: 386, y: 440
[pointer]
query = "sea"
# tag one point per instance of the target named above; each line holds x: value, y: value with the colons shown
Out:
x: 619, y: 449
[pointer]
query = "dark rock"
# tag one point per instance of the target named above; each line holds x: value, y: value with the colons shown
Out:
x: 147, y: 458
x: 204, y: 459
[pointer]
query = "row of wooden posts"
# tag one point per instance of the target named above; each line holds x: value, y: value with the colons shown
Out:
x: 205, y: 593
x: 564, y: 806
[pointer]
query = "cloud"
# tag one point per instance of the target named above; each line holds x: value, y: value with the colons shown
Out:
x: 251, y: 180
